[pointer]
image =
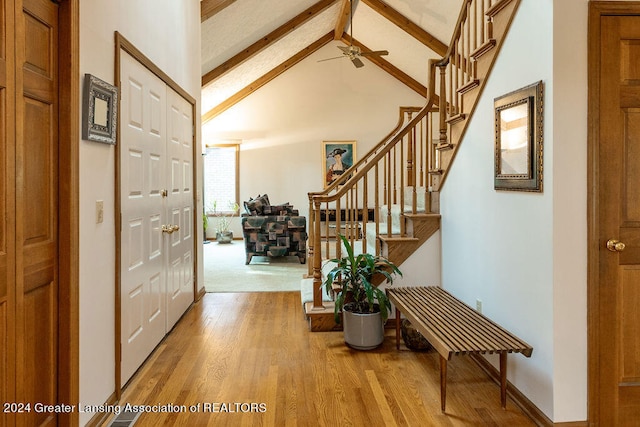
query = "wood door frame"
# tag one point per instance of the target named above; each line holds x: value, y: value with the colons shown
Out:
x: 69, y: 208
x: 122, y: 44
x: 597, y: 9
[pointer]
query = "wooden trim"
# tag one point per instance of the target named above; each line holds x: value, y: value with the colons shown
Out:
x: 208, y: 8
x: 342, y: 20
x: 118, y: 229
x: 257, y: 84
x: 122, y: 44
x: 200, y: 294
x: 266, y: 41
x: 516, y: 395
x: 69, y: 208
x: 593, y: 277
x: 100, y: 419
x: 389, y: 67
x: 127, y: 46
x: 408, y: 26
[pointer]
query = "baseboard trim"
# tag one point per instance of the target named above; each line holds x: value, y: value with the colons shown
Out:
x: 531, y: 410
x: 516, y: 395
x: 101, y: 418
x: 200, y: 294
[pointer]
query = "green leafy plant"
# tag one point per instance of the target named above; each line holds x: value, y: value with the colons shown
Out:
x: 205, y: 221
x: 354, y: 276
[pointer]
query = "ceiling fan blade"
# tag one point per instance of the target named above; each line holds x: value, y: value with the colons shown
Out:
x: 375, y: 53
x: 344, y: 49
x: 357, y: 62
x: 329, y: 59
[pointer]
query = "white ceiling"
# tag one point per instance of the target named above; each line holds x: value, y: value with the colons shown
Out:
x: 245, y: 22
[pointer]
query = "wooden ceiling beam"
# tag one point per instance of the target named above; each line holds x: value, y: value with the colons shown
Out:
x: 343, y: 18
x: 257, y: 84
x: 208, y: 8
x: 408, y: 26
x: 267, y: 40
x: 389, y: 67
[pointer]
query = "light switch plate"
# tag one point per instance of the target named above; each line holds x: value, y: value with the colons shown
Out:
x: 99, y: 211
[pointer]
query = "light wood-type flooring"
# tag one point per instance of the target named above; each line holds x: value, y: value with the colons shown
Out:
x: 252, y: 355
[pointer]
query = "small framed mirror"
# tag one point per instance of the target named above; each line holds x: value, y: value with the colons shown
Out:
x: 518, y: 139
x: 99, y: 110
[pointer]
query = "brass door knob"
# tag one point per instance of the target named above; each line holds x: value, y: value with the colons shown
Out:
x: 615, y: 245
x: 168, y: 229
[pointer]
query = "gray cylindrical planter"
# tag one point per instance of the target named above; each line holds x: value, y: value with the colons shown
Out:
x: 363, y: 331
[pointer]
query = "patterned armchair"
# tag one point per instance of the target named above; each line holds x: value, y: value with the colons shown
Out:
x: 273, y: 231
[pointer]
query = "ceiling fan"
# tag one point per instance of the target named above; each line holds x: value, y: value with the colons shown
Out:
x: 354, y: 52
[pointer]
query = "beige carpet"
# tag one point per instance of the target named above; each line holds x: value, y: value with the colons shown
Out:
x: 225, y: 270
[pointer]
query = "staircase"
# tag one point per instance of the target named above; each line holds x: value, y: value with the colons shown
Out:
x: 400, y: 179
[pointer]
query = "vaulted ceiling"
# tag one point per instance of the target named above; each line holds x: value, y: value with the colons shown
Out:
x: 247, y: 43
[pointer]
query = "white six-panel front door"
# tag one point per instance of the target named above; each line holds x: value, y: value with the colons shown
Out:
x: 179, y: 207
x: 156, y: 277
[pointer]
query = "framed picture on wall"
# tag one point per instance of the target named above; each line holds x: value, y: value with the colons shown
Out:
x: 337, y: 157
x: 99, y: 110
x: 518, y: 139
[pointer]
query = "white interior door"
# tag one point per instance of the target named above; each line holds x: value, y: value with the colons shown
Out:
x: 156, y: 179
x: 179, y: 207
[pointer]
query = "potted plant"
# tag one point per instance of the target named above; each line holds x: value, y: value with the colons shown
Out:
x: 205, y: 225
x: 223, y: 234
x: 363, y: 305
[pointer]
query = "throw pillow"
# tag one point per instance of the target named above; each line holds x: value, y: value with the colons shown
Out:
x: 256, y: 206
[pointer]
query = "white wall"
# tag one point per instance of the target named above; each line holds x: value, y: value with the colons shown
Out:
x: 282, y: 125
x: 524, y: 254
x: 570, y: 209
x: 168, y: 32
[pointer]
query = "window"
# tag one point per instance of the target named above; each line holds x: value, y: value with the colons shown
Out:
x: 221, y: 174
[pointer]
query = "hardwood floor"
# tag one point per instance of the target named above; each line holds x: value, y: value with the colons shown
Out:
x: 240, y: 349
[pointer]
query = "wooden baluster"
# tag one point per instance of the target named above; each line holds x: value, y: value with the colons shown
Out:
x: 326, y: 230
x: 317, y: 261
x: 475, y: 25
x: 410, y: 154
x: 388, y: 197
x: 467, y: 56
x: 384, y: 180
x: 365, y: 213
x: 311, y: 238
x: 376, y: 207
x: 443, y: 105
x: 338, y: 223
x: 454, y: 81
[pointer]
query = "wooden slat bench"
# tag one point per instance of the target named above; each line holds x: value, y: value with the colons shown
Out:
x: 453, y: 328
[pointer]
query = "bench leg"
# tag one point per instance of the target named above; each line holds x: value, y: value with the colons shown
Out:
x: 503, y: 379
x: 397, y: 329
x: 443, y: 383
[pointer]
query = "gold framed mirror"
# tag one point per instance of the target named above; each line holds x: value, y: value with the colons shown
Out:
x: 518, y: 139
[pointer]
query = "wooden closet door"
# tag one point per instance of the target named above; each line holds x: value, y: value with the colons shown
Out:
x: 36, y: 160
x: 615, y: 330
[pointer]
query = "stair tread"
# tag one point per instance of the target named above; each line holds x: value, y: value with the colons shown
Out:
x: 395, y: 238
x: 423, y: 215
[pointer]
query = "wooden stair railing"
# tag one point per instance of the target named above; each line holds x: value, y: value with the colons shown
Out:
x: 400, y: 178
